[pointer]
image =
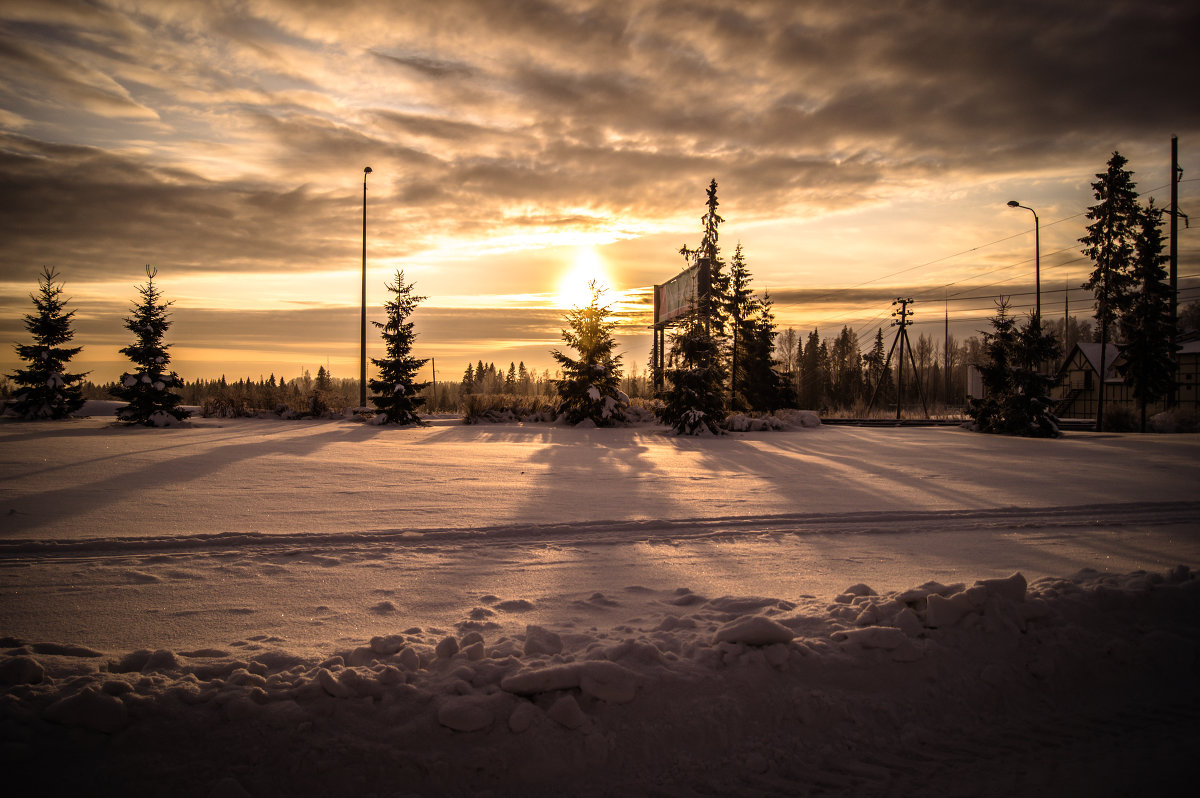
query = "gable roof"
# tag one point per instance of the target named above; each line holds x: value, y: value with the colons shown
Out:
x: 1091, y: 353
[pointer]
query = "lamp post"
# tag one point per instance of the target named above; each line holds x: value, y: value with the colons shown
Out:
x: 362, y: 352
x: 1037, y: 257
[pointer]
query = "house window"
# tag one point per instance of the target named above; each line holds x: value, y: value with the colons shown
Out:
x: 1087, y: 380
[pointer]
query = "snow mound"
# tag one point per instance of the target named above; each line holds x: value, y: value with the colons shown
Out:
x: 730, y: 696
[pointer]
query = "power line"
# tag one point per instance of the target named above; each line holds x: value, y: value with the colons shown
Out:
x: 929, y: 294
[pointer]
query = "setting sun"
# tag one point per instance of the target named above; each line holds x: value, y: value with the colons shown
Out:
x: 574, y: 287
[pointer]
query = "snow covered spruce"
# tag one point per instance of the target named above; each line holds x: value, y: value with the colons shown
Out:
x: 149, y: 389
x: 740, y: 695
x: 45, y: 389
x: 395, y: 393
x: 590, y: 387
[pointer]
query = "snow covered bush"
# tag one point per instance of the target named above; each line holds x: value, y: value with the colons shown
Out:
x: 798, y: 418
x: 148, y: 389
x: 396, y: 393
x: 740, y: 422
x: 1177, y: 420
x: 590, y: 387
x: 45, y: 389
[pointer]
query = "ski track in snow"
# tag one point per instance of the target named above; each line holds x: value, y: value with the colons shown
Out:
x: 662, y: 530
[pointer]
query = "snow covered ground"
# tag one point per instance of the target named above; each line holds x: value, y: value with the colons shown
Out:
x: 271, y: 608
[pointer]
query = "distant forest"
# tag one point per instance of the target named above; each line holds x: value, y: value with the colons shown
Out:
x: 831, y: 375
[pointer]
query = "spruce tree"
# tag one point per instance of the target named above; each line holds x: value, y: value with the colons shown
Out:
x: 1110, y: 243
x: 396, y: 393
x: 45, y: 389
x: 1016, y: 395
x: 694, y: 400
x: 148, y: 389
x: 762, y: 386
x: 845, y: 367
x: 1148, y: 366
x: 590, y: 387
x: 813, y: 372
x: 712, y: 300
x: 741, y: 306
x: 324, y: 380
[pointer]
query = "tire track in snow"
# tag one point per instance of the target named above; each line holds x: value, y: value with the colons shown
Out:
x: 641, y: 530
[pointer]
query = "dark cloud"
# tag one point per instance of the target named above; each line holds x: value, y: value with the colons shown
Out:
x: 221, y: 138
x: 430, y: 67
x: 94, y: 213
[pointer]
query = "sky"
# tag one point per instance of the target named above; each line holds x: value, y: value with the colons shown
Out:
x: 862, y: 152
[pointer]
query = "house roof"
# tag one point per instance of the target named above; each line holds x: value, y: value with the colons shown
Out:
x: 1092, y: 353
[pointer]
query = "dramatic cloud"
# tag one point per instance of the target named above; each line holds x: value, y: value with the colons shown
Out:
x: 229, y: 138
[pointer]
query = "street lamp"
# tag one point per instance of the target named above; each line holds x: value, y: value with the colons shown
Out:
x: 1037, y: 256
x: 362, y: 370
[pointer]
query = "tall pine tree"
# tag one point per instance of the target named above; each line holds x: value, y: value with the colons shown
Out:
x: 590, y: 388
x: 762, y: 386
x: 45, y: 389
x: 712, y: 298
x: 396, y: 393
x: 1110, y: 243
x: 1148, y: 365
x: 148, y: 388
x: 741, y: 306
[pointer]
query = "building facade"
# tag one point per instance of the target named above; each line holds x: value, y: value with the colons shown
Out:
x: 1077, y: 388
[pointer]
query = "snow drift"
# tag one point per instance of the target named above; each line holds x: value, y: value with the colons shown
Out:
x: 956, y: 688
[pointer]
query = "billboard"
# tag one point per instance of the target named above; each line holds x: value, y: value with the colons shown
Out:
x: 677, y: 296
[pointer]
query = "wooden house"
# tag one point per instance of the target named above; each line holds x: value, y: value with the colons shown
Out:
x: 1077, y: 388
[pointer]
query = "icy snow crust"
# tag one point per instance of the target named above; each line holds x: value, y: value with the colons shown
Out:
x: 955, y: 626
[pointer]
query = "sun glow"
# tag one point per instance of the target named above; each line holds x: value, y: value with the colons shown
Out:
x: 574, y: 288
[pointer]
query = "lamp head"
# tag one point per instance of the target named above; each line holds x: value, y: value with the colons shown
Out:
x: 366, y: 170
x: 1011, y: 203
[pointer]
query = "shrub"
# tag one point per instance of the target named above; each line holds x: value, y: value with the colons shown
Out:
x: 1120, y: 418
x: 479, y: 408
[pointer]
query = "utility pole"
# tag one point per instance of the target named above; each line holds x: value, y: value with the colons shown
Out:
x: 946, y: 353
x: 362, y: 352
x: 902, y: 341
x: 1176, y: 174
x: 1066, y: 317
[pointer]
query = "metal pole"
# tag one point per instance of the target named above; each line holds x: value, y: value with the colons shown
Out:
x: 1037, y: 265
x: 1037, y: 257
x: 946, y: 353
x: 1174, y: 266
x: 362, y: 352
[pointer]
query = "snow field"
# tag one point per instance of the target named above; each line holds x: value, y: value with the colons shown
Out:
x: 279, y: 608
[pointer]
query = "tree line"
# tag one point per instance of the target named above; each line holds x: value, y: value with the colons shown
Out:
x: 726, y: 355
